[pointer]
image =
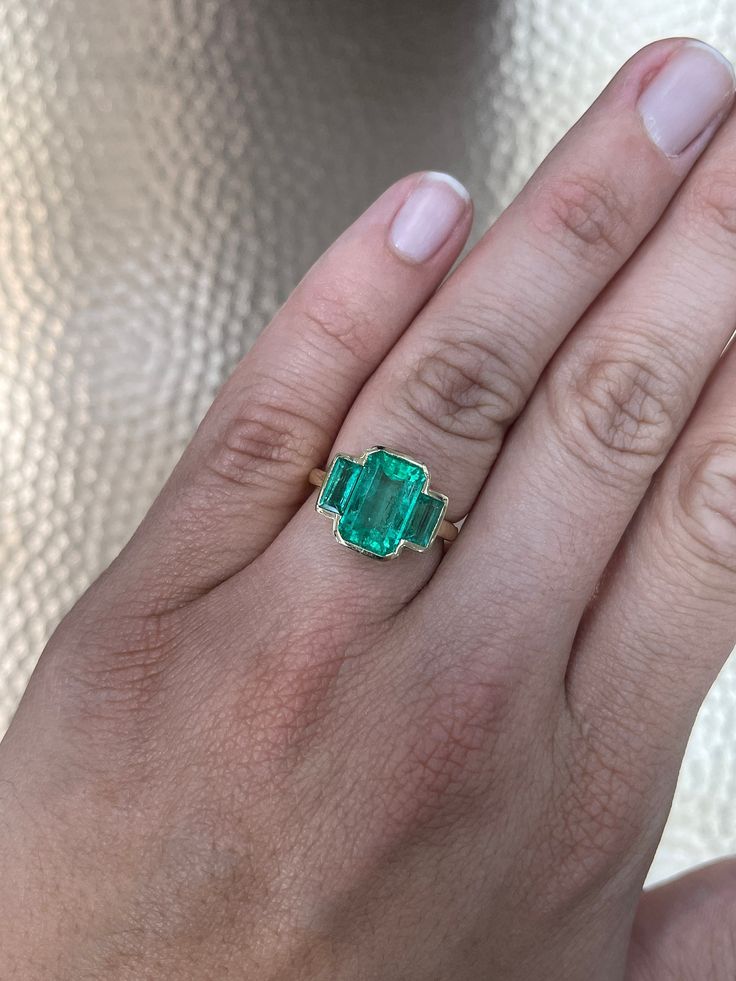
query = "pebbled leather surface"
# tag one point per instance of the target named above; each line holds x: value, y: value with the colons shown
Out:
x: 169, y: 169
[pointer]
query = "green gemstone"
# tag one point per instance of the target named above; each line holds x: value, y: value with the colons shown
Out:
x: 424, y: 519
x: 381, y: 504
x: 338, y: 485
x: 377, y: 508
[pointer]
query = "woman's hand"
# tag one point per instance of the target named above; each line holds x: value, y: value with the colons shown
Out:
x: 251, y: 753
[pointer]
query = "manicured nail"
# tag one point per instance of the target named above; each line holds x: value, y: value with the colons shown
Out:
x: 686, y: 95
x: 428, y: 216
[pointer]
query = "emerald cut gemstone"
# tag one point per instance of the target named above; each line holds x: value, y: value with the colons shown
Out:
x: 425, y: 517
x: 380, y: 503
x: 339, y: 484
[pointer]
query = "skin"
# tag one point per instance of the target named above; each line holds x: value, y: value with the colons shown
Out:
x: 250, y: 753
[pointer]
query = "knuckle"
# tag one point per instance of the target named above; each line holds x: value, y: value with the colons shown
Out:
x: 594, y: 825
x: 340, y: 315
x: 585, y: 214
x: 617, y: 414
x: 263, y: 442
x: 285, y: 703
x: 712, y: 203
x: 287, y: 710
x: 599, y: 823
x: 708, y: 503
x: 465, y: 388
x: 118, y: 670
x: 441, y: 768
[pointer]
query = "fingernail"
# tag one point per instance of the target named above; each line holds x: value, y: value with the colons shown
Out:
x: 428, y: 216
x: 686, y: 95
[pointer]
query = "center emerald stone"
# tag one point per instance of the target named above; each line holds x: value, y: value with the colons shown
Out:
x: 380, y: 504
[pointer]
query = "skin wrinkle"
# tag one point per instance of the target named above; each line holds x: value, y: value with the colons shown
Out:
x: 462, y: 390
x: 584, y: 215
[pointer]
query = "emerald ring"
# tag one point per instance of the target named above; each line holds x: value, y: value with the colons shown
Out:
x: 380, y: 503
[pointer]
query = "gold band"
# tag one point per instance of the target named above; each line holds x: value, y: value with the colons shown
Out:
x: 446, y: 530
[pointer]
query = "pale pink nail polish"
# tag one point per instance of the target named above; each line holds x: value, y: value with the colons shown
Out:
x: 428, y: 216
x: 686, y: 95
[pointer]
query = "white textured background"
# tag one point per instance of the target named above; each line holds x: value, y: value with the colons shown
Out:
x: 169, y: 168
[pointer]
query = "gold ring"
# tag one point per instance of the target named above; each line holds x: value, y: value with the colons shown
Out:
x: 380, y: 503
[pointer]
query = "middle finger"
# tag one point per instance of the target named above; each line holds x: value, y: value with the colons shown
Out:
x: 601, y: 422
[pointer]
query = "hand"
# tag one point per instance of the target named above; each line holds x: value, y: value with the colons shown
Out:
x: 249, y: 752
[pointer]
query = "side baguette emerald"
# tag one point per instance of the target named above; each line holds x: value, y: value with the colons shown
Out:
x: 380, y: 502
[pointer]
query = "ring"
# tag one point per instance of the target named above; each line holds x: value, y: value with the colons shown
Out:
x: 380, y: 503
